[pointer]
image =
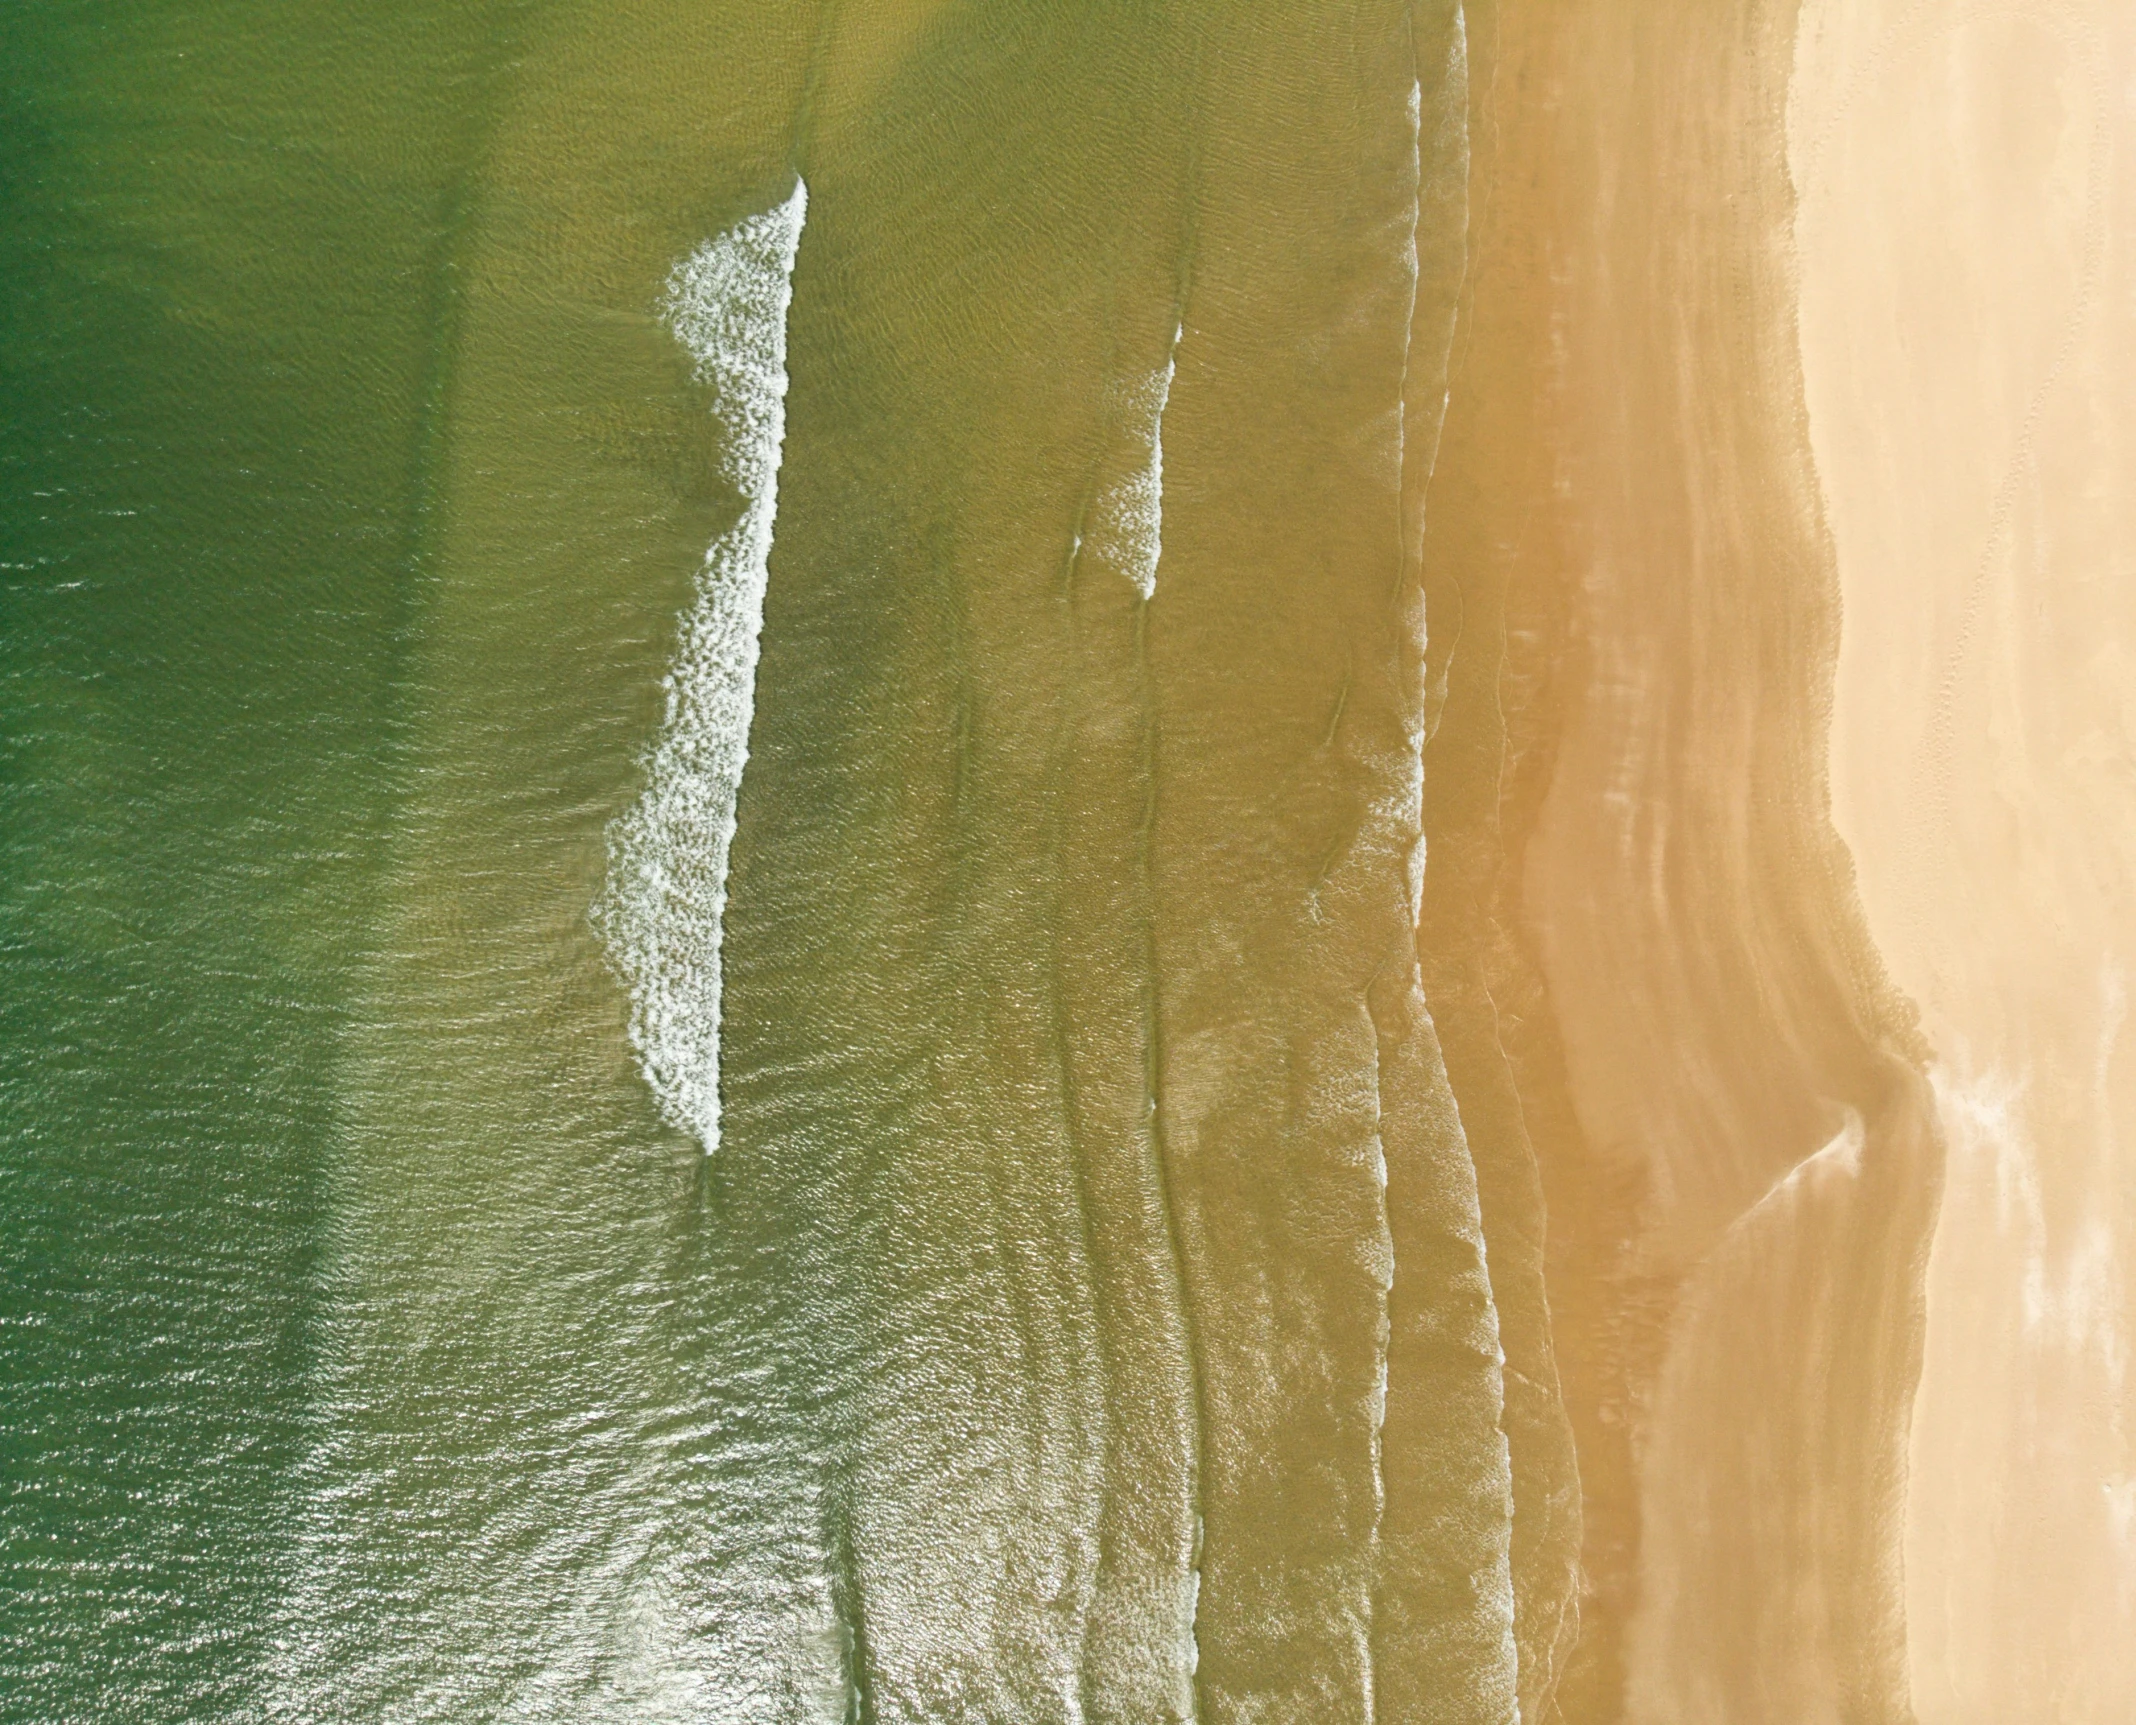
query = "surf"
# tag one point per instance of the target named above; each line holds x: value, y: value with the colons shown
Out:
x: 1130, y: 515
x: 661, y: 908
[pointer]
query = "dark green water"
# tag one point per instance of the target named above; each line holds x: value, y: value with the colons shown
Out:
x: 222, y: 240
x: 372, y: 1349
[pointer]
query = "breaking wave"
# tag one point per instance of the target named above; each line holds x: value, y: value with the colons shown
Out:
x: 661, y: 908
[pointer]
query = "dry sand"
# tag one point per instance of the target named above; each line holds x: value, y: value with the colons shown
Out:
x: 1964, y: 231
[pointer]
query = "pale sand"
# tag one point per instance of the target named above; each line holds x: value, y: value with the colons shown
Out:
x: 1967, y: 210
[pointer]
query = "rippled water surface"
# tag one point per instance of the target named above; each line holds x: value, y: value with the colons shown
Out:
x: 377, y: 1346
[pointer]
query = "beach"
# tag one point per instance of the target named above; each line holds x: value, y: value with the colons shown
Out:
x: 1069, y: 863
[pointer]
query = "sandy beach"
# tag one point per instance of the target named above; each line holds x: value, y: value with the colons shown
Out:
x: 1068, y: 863
x: 1963, y: 239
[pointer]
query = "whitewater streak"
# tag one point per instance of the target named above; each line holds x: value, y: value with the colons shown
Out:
x: 666, y: 892
x: 1130, y: 517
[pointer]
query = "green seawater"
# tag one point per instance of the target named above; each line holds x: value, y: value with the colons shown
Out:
x: 372, y: 1349
x: 223, y: 244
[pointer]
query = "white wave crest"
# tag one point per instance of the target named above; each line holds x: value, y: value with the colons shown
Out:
x: 1130, y: 513
x: 661, y: 908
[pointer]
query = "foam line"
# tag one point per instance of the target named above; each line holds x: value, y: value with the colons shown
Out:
x: 661, y: 908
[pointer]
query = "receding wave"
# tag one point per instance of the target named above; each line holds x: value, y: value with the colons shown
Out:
x: 666, y: 892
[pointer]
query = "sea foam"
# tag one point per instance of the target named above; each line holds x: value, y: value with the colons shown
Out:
x: 666, y: 892
x: 1130, y: 515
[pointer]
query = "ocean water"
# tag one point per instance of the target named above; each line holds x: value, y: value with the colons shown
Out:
x: 225, y: 315
x: 511, y: 1213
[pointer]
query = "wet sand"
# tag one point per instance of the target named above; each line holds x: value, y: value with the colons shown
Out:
x: 1672, y: 1025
